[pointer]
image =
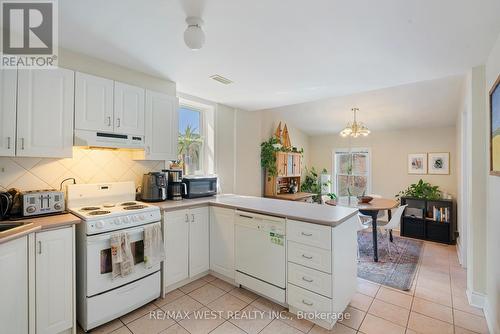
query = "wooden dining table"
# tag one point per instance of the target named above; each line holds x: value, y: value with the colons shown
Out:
x: 369, y: 209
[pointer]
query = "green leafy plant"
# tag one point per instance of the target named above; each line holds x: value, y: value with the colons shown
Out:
x: 268, y: 156
x: 189, y: 146
x: 312, y: 184
x: 421, y: 189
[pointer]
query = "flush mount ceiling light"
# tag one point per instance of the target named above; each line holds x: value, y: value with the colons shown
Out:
x: 194, y: 37
x: 355, y: 128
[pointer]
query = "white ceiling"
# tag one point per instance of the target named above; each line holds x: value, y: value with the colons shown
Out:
x: 284, y: 52
x: 427, y: 104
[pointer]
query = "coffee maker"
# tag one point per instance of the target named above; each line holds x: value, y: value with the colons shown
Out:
x: 175, y: 187
x: 154, y: 187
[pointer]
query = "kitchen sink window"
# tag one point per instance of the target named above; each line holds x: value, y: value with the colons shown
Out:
x: 352, y: 170
x: 196, y: 137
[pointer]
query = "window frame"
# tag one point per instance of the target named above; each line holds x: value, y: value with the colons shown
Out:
x: 352, y: 151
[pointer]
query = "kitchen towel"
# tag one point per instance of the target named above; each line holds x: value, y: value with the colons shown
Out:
x: 127, y: 265
x: 154, y: 249
x: 122, y: 261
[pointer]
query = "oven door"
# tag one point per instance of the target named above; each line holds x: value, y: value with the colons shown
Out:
x: 99, y: 278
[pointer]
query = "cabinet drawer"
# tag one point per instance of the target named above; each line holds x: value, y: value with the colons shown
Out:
x: 310, y: 279
x: 311, y: 257
x: 308, y: 301
x: 309, y: 234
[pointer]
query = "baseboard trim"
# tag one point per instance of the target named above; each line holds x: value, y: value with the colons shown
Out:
x: 475, y: 298
x: 460, y: 255
x: 491, y: 320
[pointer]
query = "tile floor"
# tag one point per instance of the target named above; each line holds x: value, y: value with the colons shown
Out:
x: 435, y: 304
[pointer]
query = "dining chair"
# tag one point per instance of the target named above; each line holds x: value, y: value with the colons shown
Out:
x: 381, y: 213
x: 386, y: 227
x: 362, y: 225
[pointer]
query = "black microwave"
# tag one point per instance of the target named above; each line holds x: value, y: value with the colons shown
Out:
x: 200, y: 186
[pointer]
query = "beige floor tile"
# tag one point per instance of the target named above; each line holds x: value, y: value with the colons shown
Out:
x: 394, y: 297
x: 228, y: 305
x: 122, y: 330
x: 460, y: 330
x: 201, y: 322
x: 108, y: 327
x: 266, y: 305
x: 434, y: 285
x: 439, y: 297
x: 279, y: 327
x: 147, y: 325
x: 169, y: 297
x: 353, y: 317
x: 375, y: 325
x: 193, y: 285
x: 393, y: 313
x: 337, y: 329
x: 433, y: 310
x: 461, y: 303
x: 223, y: 285
x: 361, y: 302
x: 427, y: 325
x: 469, y: 321
x: 252, y: 320
x: 243, y: 294
x: 410, y: 331
x: 227, y: 328
x: 209, y: 278
x: 291, y: 320
x: 206, y: 294
x: 138, y: 313
x: 183, y: 304
x: 175, y: 329
x: 367, y: 288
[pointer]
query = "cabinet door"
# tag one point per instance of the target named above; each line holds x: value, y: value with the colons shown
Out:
x: 14, y: 286
x: 297, y: 165
x: 281, y: 160
x: 129, y: 109
x: 8, y: 83
x: 222, y: 241
x: 45, y: 106
x: 176, y: 229
x: 289, y: 165
x: 93, y: 103
x: 161, y: 126
x: 199, y: 249
x: 54, y: 281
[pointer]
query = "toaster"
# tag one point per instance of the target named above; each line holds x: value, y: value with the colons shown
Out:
x: 40, y: 202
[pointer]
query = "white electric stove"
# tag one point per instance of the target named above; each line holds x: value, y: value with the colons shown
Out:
x: 106, y: 209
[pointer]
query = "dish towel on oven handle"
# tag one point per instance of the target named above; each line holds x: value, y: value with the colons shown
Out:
x: 154, y: 249
x: 122, y: 261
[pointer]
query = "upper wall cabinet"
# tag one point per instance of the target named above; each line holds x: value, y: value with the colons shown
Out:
x: 129, y: 109
x: 93, y: 103
x: 8, y: 82
x: 45, y: 104
x: 161, y: 126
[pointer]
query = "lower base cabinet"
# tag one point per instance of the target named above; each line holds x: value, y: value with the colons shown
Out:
x: 222, y: 241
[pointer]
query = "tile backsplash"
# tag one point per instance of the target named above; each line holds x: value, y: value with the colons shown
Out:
x: 86, y: 166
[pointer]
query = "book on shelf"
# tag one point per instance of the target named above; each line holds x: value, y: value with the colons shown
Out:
x: 441, y: 214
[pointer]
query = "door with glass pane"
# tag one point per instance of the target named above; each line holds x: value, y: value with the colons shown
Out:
x: 352, y: 172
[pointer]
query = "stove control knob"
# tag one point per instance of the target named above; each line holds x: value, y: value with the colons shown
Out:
x: 117, y: 221
x: 99, y: 225
x: 141, y: 217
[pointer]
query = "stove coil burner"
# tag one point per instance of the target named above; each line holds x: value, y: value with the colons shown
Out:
x: 99, y: 212
x: 128, y: 203
x: 135, y: 207
x: 90, y: 208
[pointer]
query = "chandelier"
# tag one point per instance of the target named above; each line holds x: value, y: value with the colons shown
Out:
x: 355, y: 129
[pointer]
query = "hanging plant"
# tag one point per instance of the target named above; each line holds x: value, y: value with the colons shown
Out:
x: 268, y: 157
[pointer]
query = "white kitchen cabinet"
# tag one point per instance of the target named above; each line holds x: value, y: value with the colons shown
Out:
x: 14, y: 286
x: 222, y: 241
x: 199, y: 249
x: 176, y: 236
x: 93, y: 103
x: 129, y: 109
x: 54, y: 289
x: 45, y: 105
x: 8, y: 87
x: 161, y: 126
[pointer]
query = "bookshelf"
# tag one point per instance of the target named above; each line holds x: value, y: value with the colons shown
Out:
x: 433, y: 220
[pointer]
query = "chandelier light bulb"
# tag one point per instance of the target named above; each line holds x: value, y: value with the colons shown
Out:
x: 355, y: 128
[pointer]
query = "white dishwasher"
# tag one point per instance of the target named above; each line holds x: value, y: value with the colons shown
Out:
x: 260, y: 254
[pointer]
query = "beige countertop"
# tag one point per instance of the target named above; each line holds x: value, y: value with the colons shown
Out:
x: 307, y: 212
x: 37, y: 224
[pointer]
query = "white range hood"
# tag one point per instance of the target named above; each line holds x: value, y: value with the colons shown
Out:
x: 107, y: 139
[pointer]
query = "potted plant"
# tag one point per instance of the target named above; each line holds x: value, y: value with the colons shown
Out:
x: 312, y: 184
x: 421, y: 190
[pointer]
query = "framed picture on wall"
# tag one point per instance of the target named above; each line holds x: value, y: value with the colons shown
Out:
x: 439, y: 163
x: 495, y: 128
x: 417, y: 163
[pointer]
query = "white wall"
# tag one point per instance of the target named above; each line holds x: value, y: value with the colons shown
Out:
x: 492, y: 309
x: 390, y: 151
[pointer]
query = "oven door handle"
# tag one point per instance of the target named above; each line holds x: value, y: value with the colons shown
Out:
x: 92, y: 239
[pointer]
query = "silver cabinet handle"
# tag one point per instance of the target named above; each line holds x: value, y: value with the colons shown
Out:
x: 307, y: 257
x: 307, y: 234
x: 22, y: 143
x: 187, y: 218
x: 118, y: 122
x: 308, y: 280
x: 307, y: 303
x: 8, y: 143
x: 192, y: 218
x: 148, y: 149
x: 109, y: 120
x: 39, y: 247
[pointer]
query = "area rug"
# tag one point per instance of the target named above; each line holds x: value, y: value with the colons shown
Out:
x: 397, y: 272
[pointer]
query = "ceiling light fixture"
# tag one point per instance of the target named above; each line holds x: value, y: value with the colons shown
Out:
x: 355, y: 129
x: 194, y: 37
